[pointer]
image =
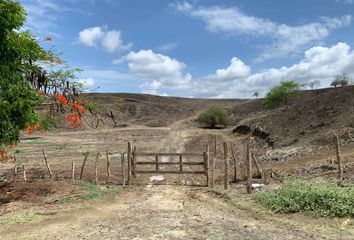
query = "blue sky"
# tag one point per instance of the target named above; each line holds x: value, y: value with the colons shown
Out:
x: 205, y: 49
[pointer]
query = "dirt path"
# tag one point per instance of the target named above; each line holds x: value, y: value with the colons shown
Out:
x: 160, y: 212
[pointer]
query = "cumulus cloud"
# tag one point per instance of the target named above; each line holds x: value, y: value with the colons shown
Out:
x: 319, y: 62
x: 90, y: 36
x: 163, y: 73
x: 111, y: 40
x: 287, y: 39
x: 87, y: 83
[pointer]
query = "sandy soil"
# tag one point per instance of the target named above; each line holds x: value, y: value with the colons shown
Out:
x: 162, y: 212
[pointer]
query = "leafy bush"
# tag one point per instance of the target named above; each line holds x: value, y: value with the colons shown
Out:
x: 214, y: 116
x: 319, y: 198
x: 281, y: 94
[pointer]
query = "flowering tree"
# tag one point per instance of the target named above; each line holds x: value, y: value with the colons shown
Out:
x: 30, y: 76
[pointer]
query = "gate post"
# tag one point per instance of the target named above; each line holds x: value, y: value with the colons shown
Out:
x: 249, y: 167
x: 123, y: 169
x: 226, y: 159
x: 129, y: 156
x: 206, y: 165
x: 134, y: 165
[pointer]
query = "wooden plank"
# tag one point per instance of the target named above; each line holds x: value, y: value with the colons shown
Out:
x: 258, y: 167
x: 170, y: 172
x: 129, y: 156
x: 143, y: 154
x: 73, y: 170
x: 169, y: 163
x: 207, y: 166
x: 180, y: 163
x: 47, y: 164
x: 24, y: 172
x: 156, y: 162
x: 339, y: 157
x: 226, y: 172
x: 108, y: 167
x: 213, y: 163
x: 96, y: 168
x: 123, y: 169
x: 249, y: 167
x: 134, y: 160
x: 86, y: 154
x: 235, y: 162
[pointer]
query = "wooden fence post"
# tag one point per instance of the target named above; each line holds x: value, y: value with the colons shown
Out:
x: 180, y: 163
x: 86, y: 154
x: 249, y: 167
x: 108, y: 167
x: 213, y: 163
x: 123, y: 169
x: 207, y: 153
x: 47, y: 164
x: 258, y: 167
x: 226, y: 159
x: 24, y: 172
x: 235, y: 162
x: 134, y: 160
x: 73, y: 170
x: 96, y: 170
x: 339, y: 157
x: 129, y: 156
x: 15, y: 172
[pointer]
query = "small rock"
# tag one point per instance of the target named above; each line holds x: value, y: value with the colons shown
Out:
x: 259, y: 187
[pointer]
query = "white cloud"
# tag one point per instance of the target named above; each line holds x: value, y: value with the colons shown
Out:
x: 87, y: 83
x: 43, y: 15
x: 166, y: 47
x: 110, y: 40
x: 90, y: 36
x: 319, y: 63
x: 163, y: 74
x: 287, y: 39
x: 159, y: 70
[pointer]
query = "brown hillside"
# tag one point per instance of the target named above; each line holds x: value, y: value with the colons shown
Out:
x: 307, y: 120
x: 310, y: 118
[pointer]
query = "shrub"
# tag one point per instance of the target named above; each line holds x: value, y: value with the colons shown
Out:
x: 342, y: 79
x: 319, y: 198
x: 214, y: 116
x: 281, y: 94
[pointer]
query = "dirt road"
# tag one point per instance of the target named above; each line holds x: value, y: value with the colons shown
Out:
x: 160, y: 212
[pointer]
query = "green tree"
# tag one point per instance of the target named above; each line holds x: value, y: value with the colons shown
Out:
x: 214, y: 116
x: 256, y: 94
x: 281, y: 94
x: 23, y: 80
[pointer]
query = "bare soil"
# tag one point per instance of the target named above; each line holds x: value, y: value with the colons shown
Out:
x: 168, y: 212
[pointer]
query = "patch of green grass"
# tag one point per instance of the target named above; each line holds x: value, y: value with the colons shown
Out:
x: 18, y: 151
x: 92, y: 191
x: 35, y: 141
x: 318, y: 198
x: 19, y: 218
